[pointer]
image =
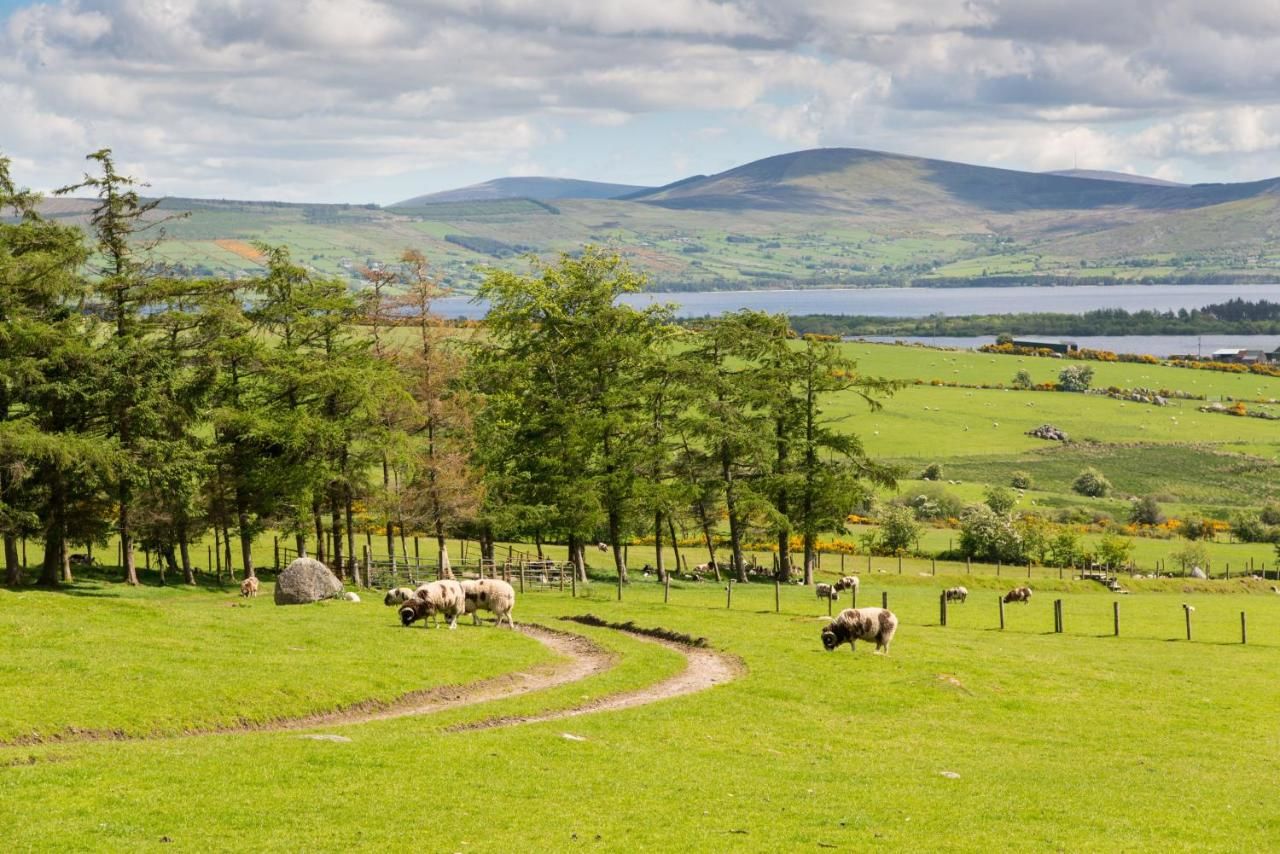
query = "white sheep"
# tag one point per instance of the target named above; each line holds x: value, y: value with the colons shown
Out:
x: 826, y: 591
x: 397, y: 596
x: 249, y: 587
x: 437, y: 597
x: 490, y: 594
x: 855, y: 624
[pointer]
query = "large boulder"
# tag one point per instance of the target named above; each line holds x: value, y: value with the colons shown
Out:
x: 305, y: 581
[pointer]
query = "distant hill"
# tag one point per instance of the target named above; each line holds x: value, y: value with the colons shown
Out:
x: 540, y: 189
x: 1123, y: 177
x: 851, y: 179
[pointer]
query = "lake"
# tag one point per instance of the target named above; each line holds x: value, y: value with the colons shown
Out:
x: 922, y: 302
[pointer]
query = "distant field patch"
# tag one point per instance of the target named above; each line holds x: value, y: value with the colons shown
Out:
x: 239, y: 247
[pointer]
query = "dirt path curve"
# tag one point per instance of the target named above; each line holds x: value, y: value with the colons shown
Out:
x: 579, y: 658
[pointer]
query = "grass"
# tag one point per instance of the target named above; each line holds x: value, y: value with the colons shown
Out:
x: 1080, y: 741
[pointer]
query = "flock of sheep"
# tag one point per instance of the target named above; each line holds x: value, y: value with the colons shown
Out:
x: 450, y: 598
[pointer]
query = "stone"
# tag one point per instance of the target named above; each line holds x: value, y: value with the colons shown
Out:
x: 1197, y: 572
x: 305, y: 581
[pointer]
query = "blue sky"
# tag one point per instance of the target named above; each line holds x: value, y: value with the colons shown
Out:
x: 379, y: 100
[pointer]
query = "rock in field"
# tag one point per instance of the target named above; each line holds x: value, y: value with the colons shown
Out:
x: 305, y: 581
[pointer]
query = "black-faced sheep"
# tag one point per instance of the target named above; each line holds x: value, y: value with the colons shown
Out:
x: 855, y: 624
x: 1018, y: 594
x: 490, y: 594
x: 397, y: 596
x: 249, y: 587
x: 956, y: 594
x: 438, y: 597
x: 826, y: 591
x: 849, y: 582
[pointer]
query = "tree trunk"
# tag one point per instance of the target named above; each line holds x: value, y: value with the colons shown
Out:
x: 537, y: 541
x: 784, y: 555
x: 226, y: 553
x: 246, y: 535
x: 615, y: 540
x: 335, y: 519
x: 169, y: 560
x: 731, y: 505
x: 660, y: 563
x: 708, y: 538
x: 217, y: 553
x: 315, y: 515
x: 126, y: 537
x: 810, y: 555
x: 441, y: 545
x: 65, y: 554
x: 184, y: 549
x: 55, y: 531
x: 12, y: 566
x: 675, y: 541
x: 391, y: 530
x: 349, y: 512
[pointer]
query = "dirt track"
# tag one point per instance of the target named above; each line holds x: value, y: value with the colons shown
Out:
x: 705, y: 668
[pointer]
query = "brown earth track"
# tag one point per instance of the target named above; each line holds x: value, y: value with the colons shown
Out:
x: 580, y: 658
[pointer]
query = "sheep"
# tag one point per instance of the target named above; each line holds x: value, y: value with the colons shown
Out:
x: 956, y: 594
x: 249, y: 587
x: 604, y: 547
x: 1018, y: 594
x: 438, y: 597
x: 351, y: 596
x: 490, y: 594
x: 855, y: 624
x: 397, y: 596
x: 849, y: 582
x: 826, y: 591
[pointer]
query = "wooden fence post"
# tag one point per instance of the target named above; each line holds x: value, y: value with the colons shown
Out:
x: 933, y: 565
x: 1186, y: 609
x: 942, y: 608
x: 997, y: 567
x: 868, y: 563
x: 619, y: 586
x: 275, y: 543
x: 853, y: 598
x: 1115, y: 615
x: 522, y: 568
x: 666, y: 589
x: 828, y: 606
x: 842, y: 563
x: 899, y: 564
x: 777, y: 596
x: 884, y: 599
x: 1001, y: 601
x: 1028, y: 569
x: 1057, y: 616
x: 968, y: 568
x: 573, y: 582
x: 1244, y: 629
x: 728, y: 597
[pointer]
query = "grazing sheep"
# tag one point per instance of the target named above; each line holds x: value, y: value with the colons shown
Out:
x: 855, y: 624
x: 849, y: 582
x: 490, y: 594
x: 439, y: 597
x: 351, y: 596
x: 249, y: 587
x: 956, y: 594
x: 826, y: 591
x: 397, y: 596
x: 412, y: 610
x: 604, y: 547
x: 1018, y: 594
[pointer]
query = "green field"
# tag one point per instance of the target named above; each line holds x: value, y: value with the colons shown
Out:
x: 1079, y: 741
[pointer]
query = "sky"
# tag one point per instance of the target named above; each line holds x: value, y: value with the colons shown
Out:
x: 380, y: 100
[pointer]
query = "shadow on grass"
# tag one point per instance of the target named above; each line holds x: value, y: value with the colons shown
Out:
x: 107, y: 583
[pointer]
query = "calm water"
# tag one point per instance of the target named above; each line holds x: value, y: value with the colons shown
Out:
x: 922, y: 302
x: 1153, y: 345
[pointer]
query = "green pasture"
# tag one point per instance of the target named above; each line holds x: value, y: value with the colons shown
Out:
x: 967, y: 738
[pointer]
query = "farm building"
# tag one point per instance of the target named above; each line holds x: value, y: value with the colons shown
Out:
x: 1240, y: 356
x: 1053, y: 344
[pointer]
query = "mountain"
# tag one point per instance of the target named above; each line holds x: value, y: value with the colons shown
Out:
x: 852, y: 179
x: 821, y: 218
x: 540, y: 189
x: 1123, y: 177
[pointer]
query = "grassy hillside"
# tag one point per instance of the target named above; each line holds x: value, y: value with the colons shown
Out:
x: 815, y: 218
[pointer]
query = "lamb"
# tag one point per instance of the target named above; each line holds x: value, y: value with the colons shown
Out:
x: 849, y: 582
x: 956, y: 594
x: 490, y: 594
x: 438, y: 597
x: 1018, y: 594
x: 249, y: 587
x: 397, y: 596
x: 826, y: 591
x: 855, y: 624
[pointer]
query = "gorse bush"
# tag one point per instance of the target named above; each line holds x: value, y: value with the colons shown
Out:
x: 1021, y: 480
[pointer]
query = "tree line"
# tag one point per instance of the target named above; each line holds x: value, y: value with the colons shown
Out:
x: 140, y: 403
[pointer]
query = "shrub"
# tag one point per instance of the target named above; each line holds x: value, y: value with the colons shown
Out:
x: 1270, y: 513
x: 1192, y: 554
x: 1198, y: 529
x: 934, y: 502
x: 1022, y: 379
x: 1021, y: 480
x: 988, y: 535
x: 933, y: 471
x: 1092, y: 483
x: 1075, y: 378
x: 1249, y: 528
x: 1064, y: 549
x: 1113, y: 550
x: 1000, y: 500
x: 1146, y: 511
